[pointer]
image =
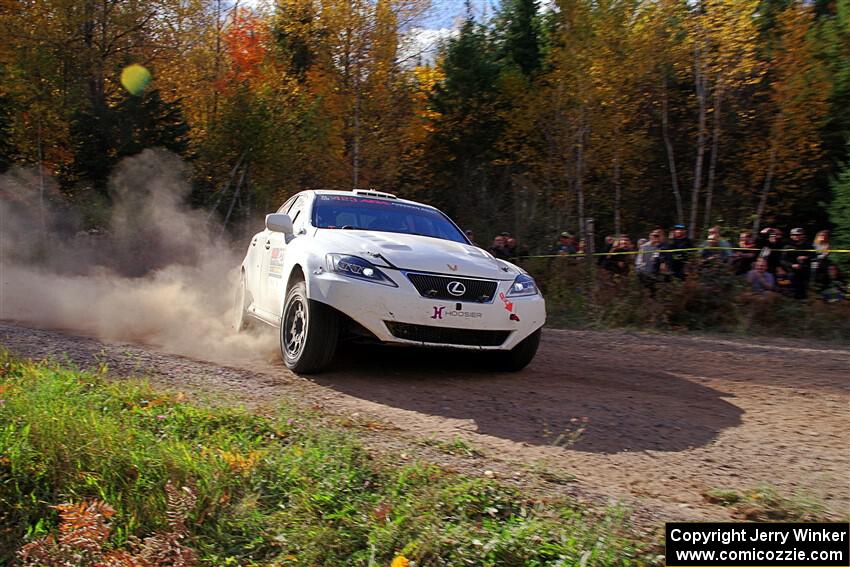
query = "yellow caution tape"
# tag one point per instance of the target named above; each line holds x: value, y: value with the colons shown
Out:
x: 633, y: 252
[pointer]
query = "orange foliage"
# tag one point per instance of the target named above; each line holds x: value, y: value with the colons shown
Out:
x: 246, y: 45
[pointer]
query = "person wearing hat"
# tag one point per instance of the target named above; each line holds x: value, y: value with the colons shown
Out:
x: 646, y: 262
x: 715, y: 246
x: 675, y: 261
x: 565, y: 244
x: 770, y: 242
x: 796, y: 259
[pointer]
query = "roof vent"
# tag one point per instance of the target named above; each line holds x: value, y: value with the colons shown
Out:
x: 371, y: 193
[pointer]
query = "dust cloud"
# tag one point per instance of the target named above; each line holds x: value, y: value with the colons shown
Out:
x: 160, y: 275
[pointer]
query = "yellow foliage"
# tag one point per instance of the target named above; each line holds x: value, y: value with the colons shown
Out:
x: 239, y: 463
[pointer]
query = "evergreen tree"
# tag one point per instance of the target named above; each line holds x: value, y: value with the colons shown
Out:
x: 148, y: 121
x: 103, y: 136
x: 834, y: 32
x: 6, y: 147
x: 517, y: 31
x: 467, y: 122
x: 839, y: 213
x: 470, y: 71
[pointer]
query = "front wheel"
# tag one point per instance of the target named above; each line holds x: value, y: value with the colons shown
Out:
x: 308, y: 332
x: 522, y: 354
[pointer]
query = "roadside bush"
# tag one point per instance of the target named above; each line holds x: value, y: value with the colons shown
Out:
x: 709, y: 299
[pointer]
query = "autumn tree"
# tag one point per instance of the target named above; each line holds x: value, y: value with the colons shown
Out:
x: 722, y: 38
x: 797, y: 105
x: 661, y: 25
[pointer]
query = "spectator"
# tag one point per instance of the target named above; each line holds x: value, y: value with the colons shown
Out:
x: 647, y: 260
x: 616, y: 261
x: 641, y: 242
x: 470, y: 235
x: 513, y: 249
x: 510, y: 246
x: 760, y: 279
x: 498, y: 248
x: 796, y: 260
x: 711, y: 250
x: 743, y: 260
x: 821, y: 262
x: 770, y: 242
x: 565, y: 244
x: 784, y: 281
x: 834, y: 286
x: 609, y: 243
x: 675, y: 261
x: 716, y: 240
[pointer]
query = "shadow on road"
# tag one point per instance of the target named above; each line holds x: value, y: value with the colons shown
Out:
x: 624, y: 408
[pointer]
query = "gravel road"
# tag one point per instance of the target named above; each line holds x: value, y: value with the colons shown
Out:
x: 665, y: 418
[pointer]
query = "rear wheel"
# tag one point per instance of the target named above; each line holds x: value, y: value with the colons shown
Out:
x: 241, y: 319
x: 308, y: 332
x: 522, y: 354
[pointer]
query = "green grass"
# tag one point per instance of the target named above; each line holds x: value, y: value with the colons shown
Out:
x: 766, y: 504
x: 457, y: 447
x: 271, y: 490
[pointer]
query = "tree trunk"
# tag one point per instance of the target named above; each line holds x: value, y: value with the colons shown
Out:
x: 712, y: 167
x: 42, y: 215
x: 579, y: 186
x: 233, y: 201
x: 219, y: 53
x: 671, y: 158
x: 230, y: 179
x: 700, y: 86
x: 768, y: 181
x: 617, y: 195
x: 355, y: 158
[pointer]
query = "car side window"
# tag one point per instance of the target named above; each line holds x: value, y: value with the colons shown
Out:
x: 285, y: 207
x: 298, y: 216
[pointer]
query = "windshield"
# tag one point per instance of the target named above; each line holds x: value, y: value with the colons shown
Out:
x: 363, y: 213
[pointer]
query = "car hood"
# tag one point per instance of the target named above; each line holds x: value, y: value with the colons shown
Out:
x: 417, y: 253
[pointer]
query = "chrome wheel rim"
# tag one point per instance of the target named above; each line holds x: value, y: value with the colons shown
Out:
x: 294, y: 327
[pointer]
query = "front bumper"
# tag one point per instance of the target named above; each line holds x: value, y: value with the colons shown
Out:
x: 401, y: 315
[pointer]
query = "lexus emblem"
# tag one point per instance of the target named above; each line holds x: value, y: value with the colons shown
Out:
x: 456, y: 288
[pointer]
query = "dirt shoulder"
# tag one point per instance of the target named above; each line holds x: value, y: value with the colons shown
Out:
x: 666, y: 418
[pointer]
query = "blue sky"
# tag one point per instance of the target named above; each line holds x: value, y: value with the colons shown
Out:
x: 439, y: 22
x: 447, y: 13
x: 444, y: 14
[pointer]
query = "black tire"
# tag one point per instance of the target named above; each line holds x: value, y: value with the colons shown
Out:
x: 309, y: 331
x: 242, y: 321
x: 522, y: 354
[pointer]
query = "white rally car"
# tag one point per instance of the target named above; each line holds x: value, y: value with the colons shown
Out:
x: 365, y: 264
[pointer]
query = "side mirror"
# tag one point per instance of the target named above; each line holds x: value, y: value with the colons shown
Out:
x: 279, y: 222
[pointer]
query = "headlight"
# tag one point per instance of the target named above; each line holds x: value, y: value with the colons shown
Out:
x: 356, y: 267
x: 523, y: 285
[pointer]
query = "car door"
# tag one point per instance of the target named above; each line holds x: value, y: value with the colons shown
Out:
x: 261, y: 244
x: 253, y: 264
x: 275, y: 248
